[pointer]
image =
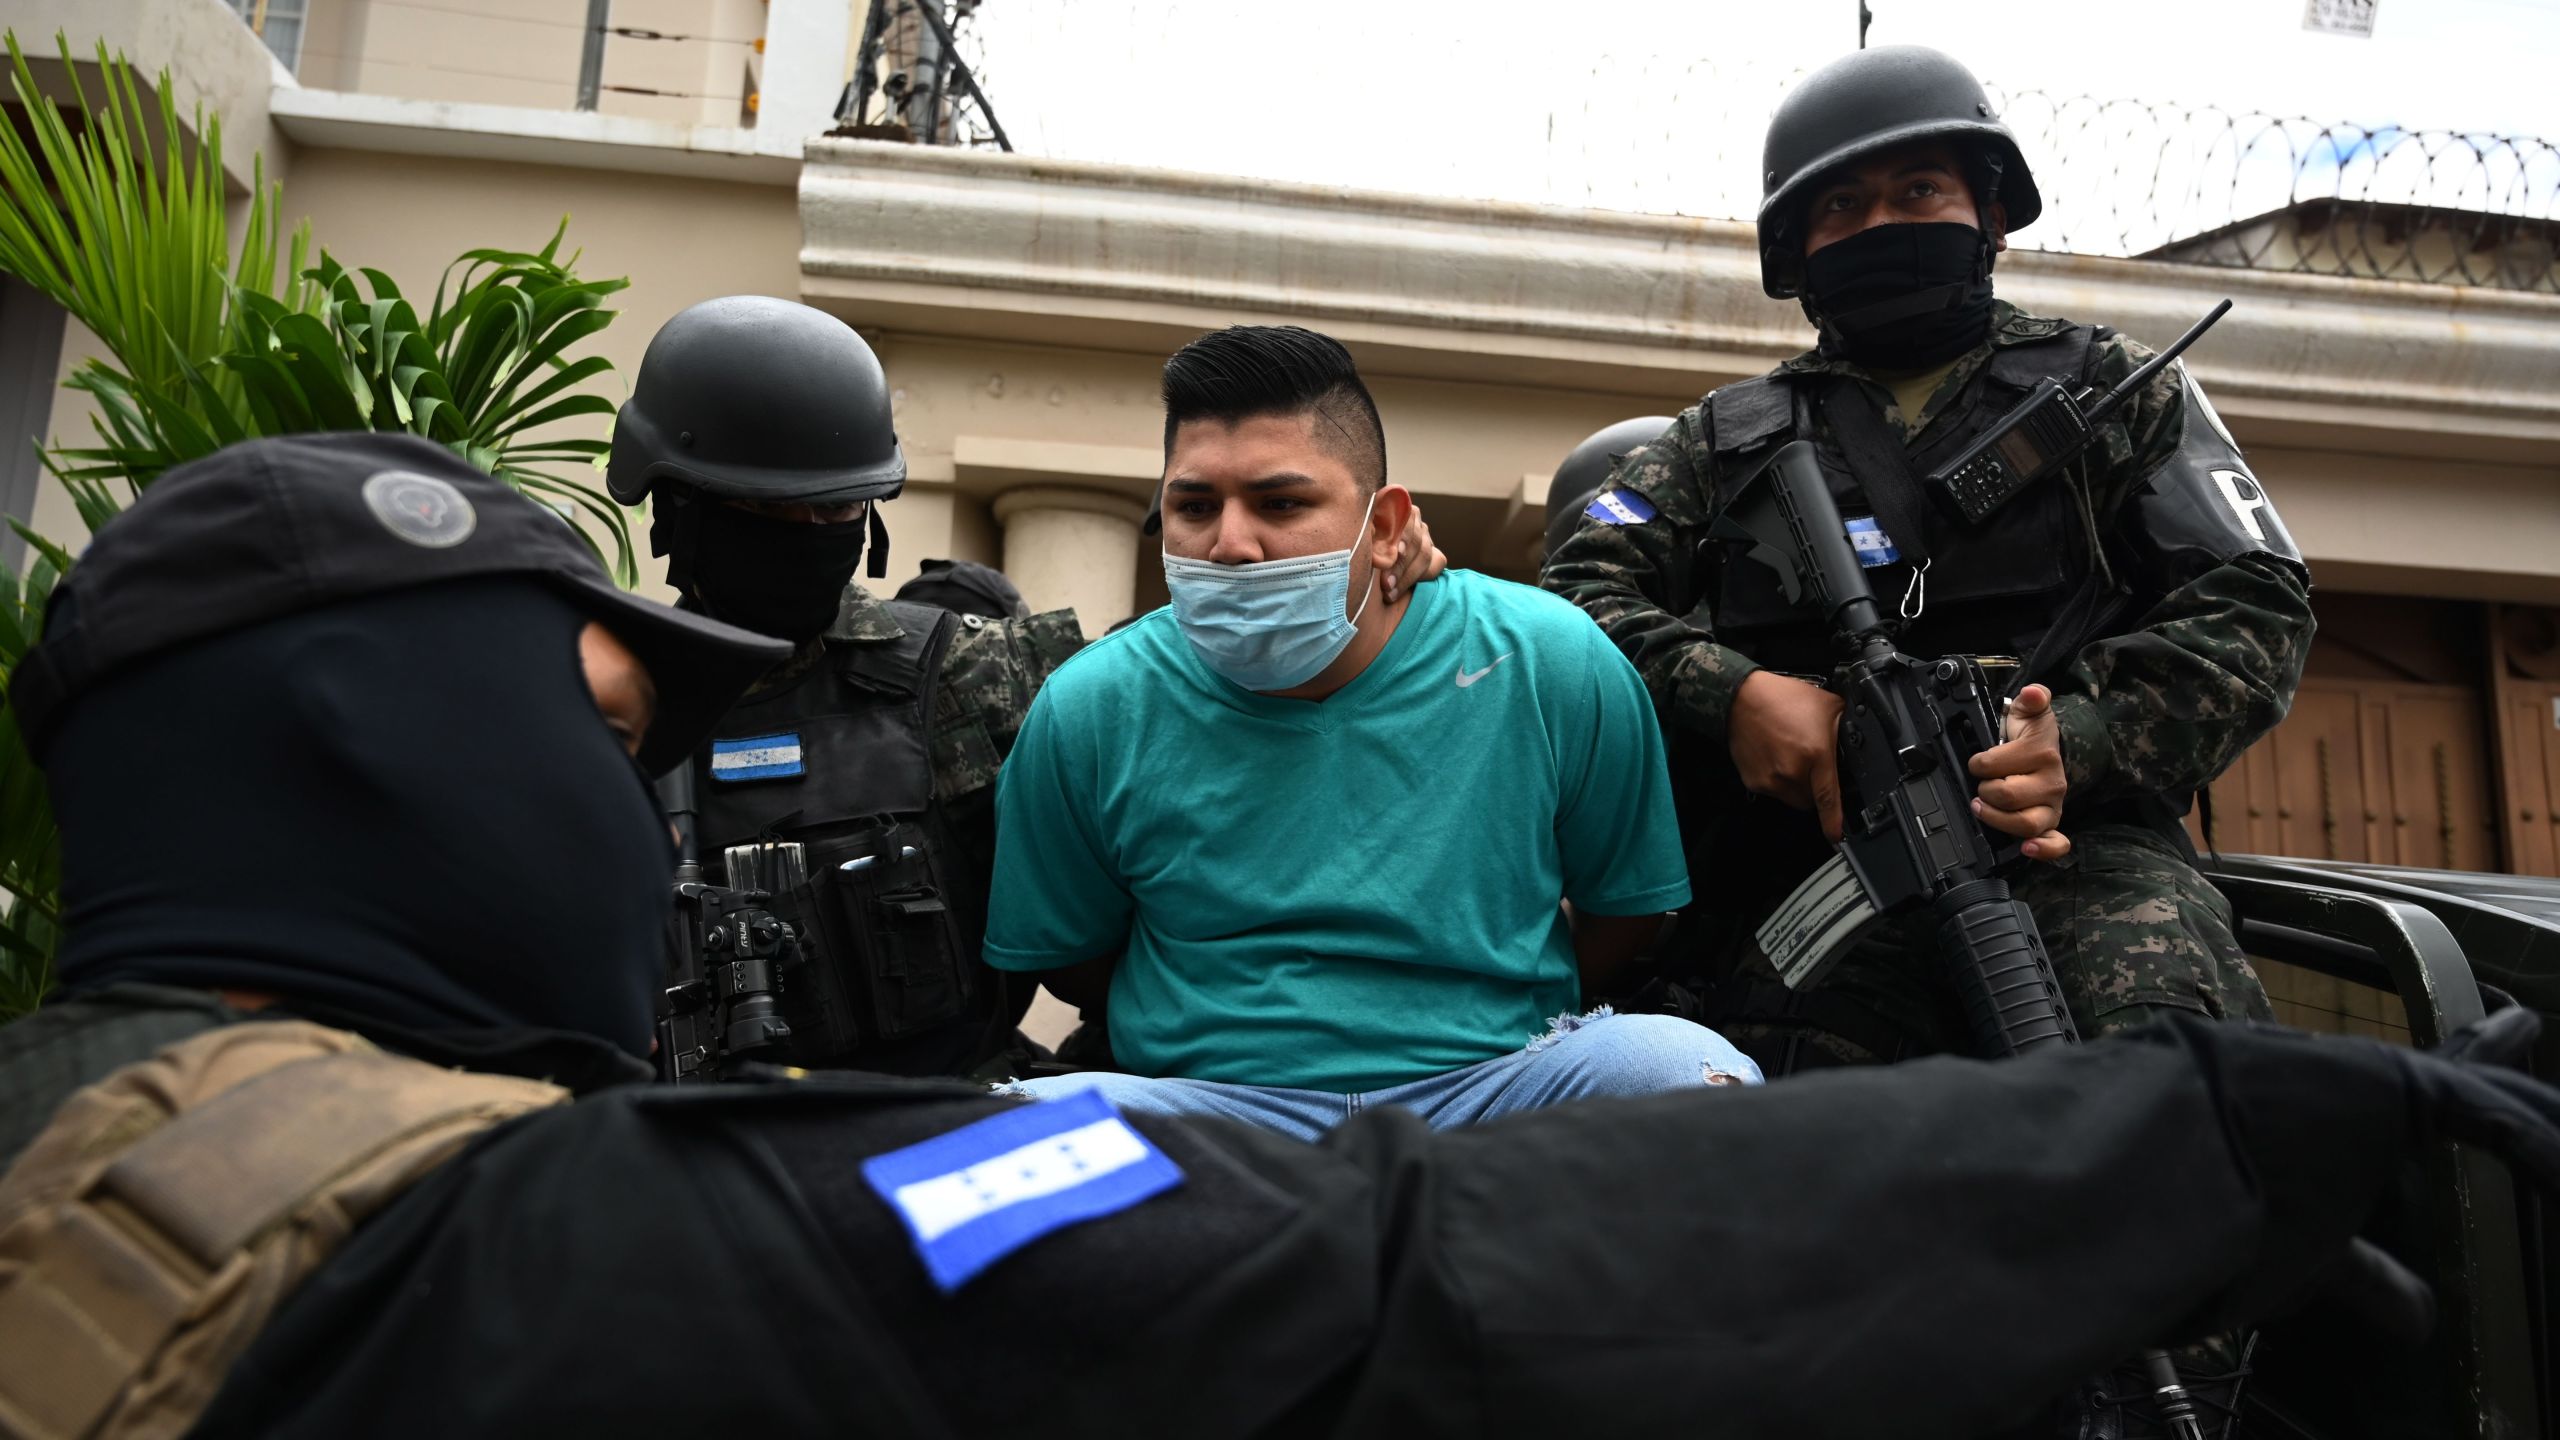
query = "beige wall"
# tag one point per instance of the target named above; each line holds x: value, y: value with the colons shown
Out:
x: 449, y: 50
x: 1466, y: 448
x: 527, y: 52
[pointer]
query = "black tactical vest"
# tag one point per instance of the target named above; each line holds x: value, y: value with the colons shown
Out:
x: 1994, y: 589
x: 841, y: 761
x: 1991, y: 589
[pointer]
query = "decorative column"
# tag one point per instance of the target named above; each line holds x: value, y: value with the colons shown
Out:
x: 1073, y: 547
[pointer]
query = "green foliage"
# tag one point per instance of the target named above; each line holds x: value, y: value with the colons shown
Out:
x: 30, y: 848
x: 119, y: 218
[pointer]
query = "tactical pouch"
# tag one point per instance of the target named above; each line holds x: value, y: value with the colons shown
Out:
x: 881, y: 899
x: 167, y: 1211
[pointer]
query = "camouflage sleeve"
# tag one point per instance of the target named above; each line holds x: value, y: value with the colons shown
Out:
x: 2164, y: 708
x: 993, y: 669
x: 1635, y: 579
x: 2167, y: 707
x: 2142, y: 434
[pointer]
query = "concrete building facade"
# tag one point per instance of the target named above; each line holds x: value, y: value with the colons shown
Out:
x: 2410, y: 432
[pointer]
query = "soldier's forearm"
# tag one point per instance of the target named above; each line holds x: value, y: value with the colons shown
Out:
x: 1611, y: 574
x: 2165, y: 708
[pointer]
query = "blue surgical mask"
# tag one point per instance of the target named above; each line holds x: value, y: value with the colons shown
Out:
x: 1271, y: 625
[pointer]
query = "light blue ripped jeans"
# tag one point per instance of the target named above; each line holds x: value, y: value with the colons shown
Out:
x: 1583, y: 1057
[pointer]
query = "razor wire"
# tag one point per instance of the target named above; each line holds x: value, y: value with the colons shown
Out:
x: 2201, y: 185
x: 2182, y: 183
x: 1649, y: 132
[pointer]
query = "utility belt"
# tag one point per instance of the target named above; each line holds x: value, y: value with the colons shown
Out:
x: 165, y: 1212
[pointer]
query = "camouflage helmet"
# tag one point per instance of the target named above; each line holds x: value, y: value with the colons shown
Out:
x: 1587, y: 468
x: 1869, y: 101
x: 752, y: 398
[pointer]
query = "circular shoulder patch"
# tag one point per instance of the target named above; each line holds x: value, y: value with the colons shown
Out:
x: 420, y: 509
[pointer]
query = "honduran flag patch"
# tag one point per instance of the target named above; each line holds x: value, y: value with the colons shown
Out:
x: 970, y: 1197
x: 756, y: 757
x: 1874, y: 547
x: 1619, y: 507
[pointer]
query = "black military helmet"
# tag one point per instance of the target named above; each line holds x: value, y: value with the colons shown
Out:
x: 1587, y: 469
x: 965, y: 587
x: 752, y: 398
x: 1870, y: 101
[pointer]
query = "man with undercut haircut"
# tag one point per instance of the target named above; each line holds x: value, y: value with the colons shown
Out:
x: 1313, y: 836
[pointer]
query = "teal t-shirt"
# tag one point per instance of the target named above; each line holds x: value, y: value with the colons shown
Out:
x: 1343, y: 894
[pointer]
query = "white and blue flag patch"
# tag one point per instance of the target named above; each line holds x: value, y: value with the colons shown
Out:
x: 974, y: 1195
x: 1874, y: 547
x: 756, y: 757
x: 1619, y: 507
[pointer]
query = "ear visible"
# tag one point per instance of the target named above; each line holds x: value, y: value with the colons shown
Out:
x: 1389, y: 518
x: 1999, y: 226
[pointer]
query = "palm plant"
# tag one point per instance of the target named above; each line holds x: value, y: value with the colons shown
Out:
x: 123, y: 222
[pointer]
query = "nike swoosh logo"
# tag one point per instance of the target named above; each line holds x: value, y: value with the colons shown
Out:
x: 1467, y: 677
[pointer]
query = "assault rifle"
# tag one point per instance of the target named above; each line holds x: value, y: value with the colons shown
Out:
x: 729, y: 953
x: 1908, y: 730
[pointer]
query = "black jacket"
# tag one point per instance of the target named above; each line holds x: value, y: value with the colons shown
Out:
x: 1846, y: 1254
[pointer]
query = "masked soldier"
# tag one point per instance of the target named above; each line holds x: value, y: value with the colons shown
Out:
x: 762, y: 429
x: 2148, y: 588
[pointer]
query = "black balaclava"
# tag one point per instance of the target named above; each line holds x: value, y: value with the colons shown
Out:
x: 403, y: 808
x: 783, y: 578
x: 1901, y: 297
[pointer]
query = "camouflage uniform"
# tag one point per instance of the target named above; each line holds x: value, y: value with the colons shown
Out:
x: 2208, y: 665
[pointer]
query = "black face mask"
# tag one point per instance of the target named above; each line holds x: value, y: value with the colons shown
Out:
x: 403, y: 808
x: 778, y: 577
x: 1901, y: 297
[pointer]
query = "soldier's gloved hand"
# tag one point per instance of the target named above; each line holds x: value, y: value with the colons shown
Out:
x: 1785, y: 738
x: 2023, y: 783
x: 2472, y: 1090
x: 1417, y: 560
x: 2325, y: 1124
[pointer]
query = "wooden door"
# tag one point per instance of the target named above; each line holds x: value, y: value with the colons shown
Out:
x: 2378, y: 772
x: 2442, y: 817
x: 2530, y: 737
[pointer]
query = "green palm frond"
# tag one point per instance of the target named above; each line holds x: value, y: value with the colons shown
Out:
x: 109, y: 210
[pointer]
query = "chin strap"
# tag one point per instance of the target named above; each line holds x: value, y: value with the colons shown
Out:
x: 674, y: 515
x: 879, y: 543
x: 1994, y: 169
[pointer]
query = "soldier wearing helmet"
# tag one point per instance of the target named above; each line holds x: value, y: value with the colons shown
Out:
x: 2155, y: 614
x: 761, y: 429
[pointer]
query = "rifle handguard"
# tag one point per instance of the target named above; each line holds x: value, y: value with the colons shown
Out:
x: 2010, y: 995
